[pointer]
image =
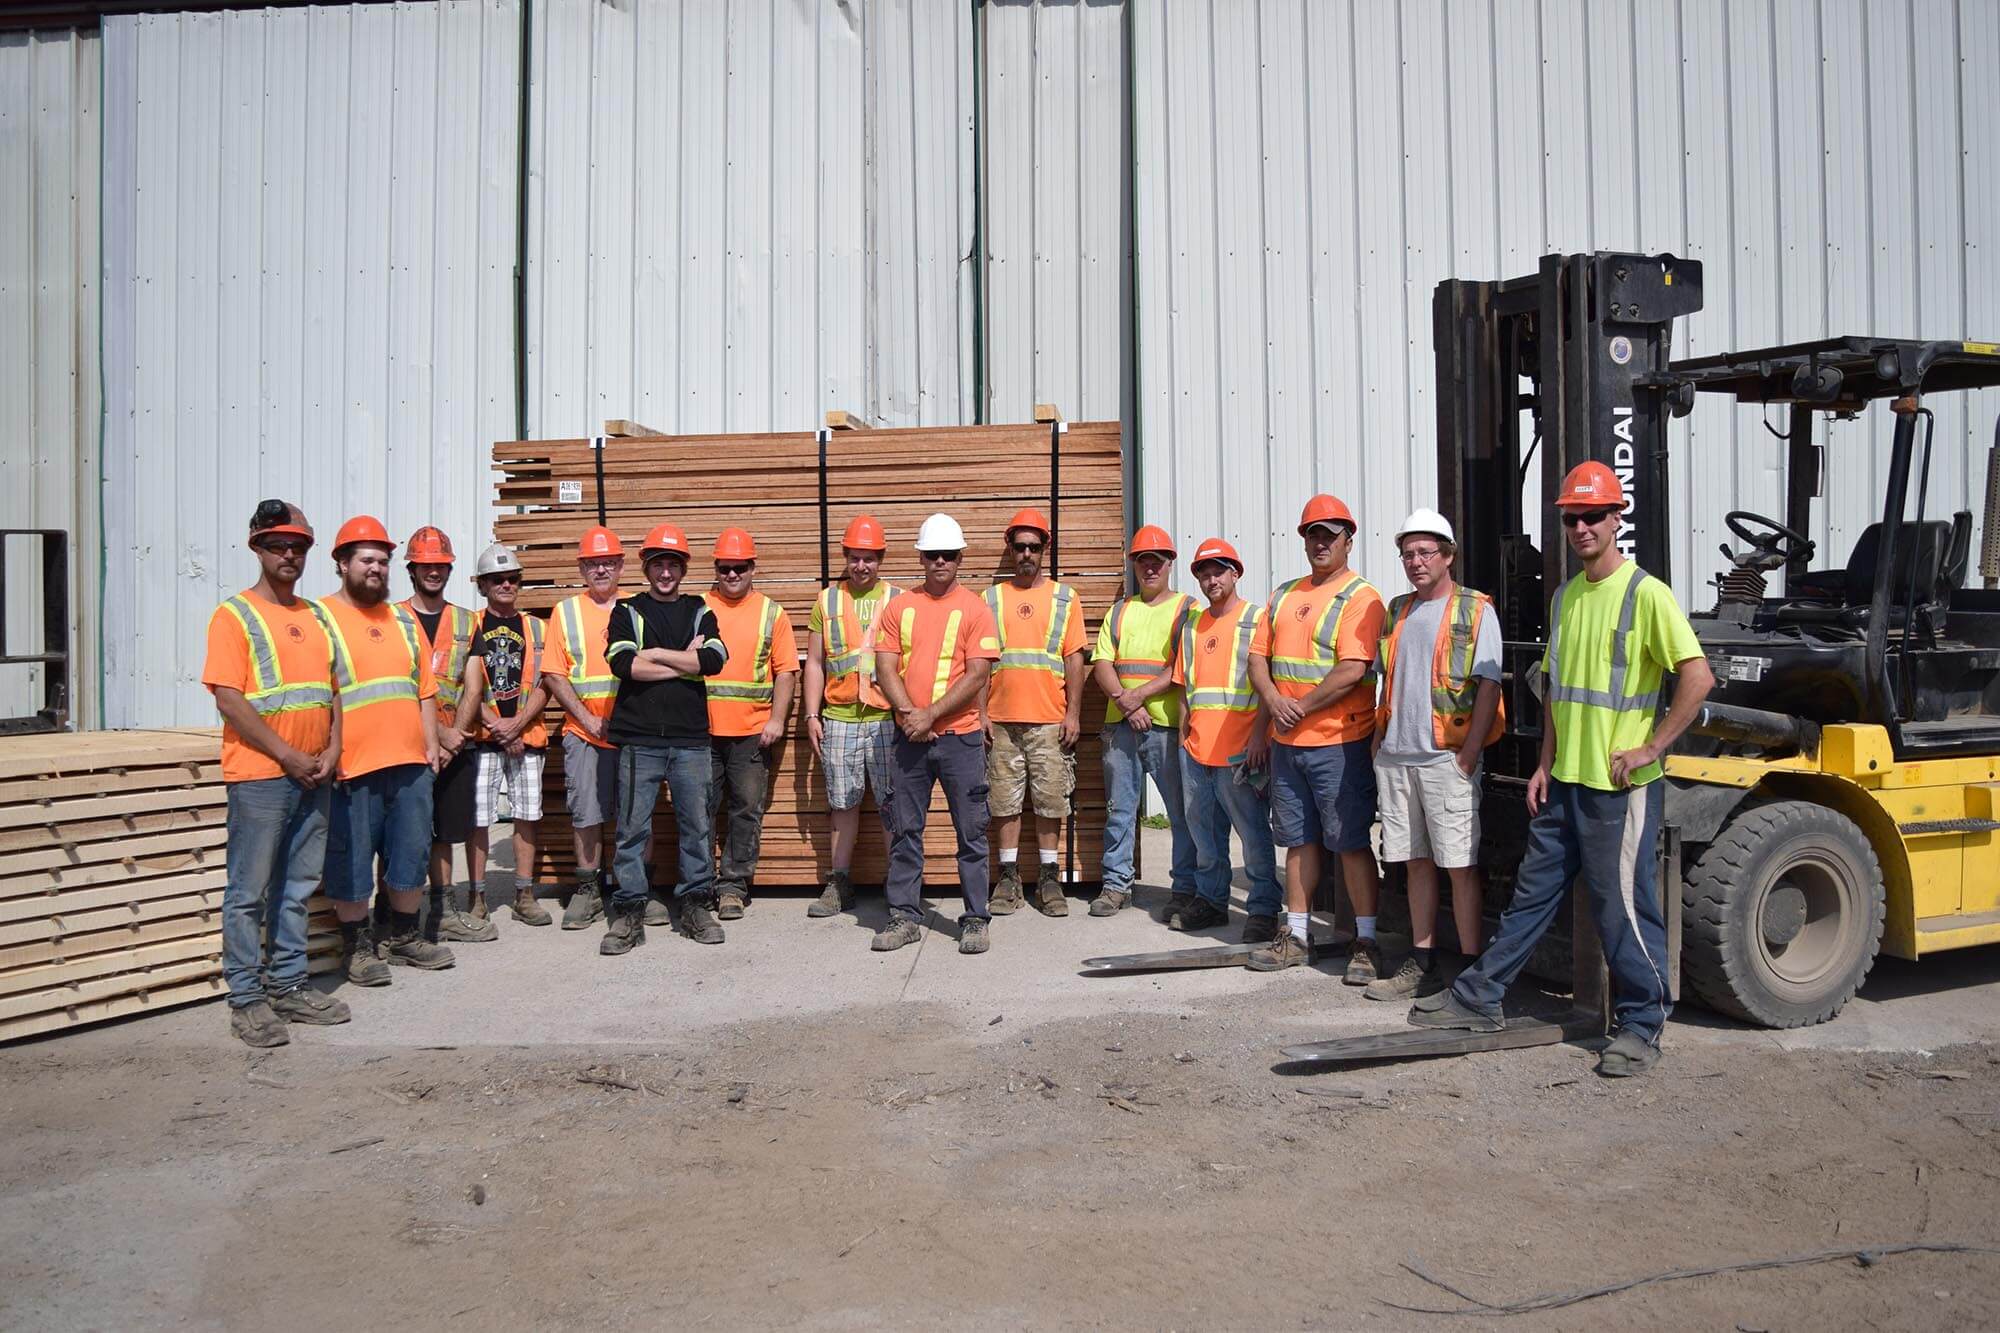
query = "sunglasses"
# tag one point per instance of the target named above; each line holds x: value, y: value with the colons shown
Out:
x: 731, y: 571
x: 944, y: 557
x: 285, y: 545
x: 502, y: 580
x: 1585, y: 518
x: 1029, y: 548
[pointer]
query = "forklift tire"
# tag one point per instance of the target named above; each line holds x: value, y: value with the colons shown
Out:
x: 1783, y: 915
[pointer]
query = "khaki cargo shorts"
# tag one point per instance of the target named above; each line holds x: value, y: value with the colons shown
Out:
x: 1027, y: 758
x: 1429, y: 811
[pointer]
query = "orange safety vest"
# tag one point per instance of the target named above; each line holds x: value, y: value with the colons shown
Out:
x: 1454, y: 689
x: 536, y: 734
x: 454, y: 633
x: 849, y: 646
x: 746, y: 685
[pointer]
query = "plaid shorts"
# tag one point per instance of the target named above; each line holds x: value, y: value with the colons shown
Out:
x: 520, y: 776
x: 855, y: 756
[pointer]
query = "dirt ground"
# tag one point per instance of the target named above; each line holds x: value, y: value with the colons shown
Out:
x: 1010, y: 1156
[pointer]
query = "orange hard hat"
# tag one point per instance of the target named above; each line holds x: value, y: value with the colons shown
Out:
x: 428, y: 546
x: 598, y: 541
x: 1152, y: 540
x: 362, y: 528
x: 865, y: 534
x: 1029, y: 518
x: 276, y: 518
x: 1591, y: 485
x: 734, y: 544
x: 1216, y: 549
x: 1324, y: 509
x: 664, y: 538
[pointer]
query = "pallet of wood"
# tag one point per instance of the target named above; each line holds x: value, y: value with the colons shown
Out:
x: 795, y: 493
x: 112, y: 848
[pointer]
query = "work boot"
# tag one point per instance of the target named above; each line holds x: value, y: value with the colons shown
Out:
x: 625, y: 932
x: 258, y: 1025
x: 1260, y: 929
x: 1007, y: 897
x: 303, y: 1004
x: 1180, y: 902
x: 411, y: 949
x: 1628, y: 1054
x: 1287, y: 950
x: 1446, y: 1010
x: 528, y: 910
x: 1402, y: 984
x: 464, y: 928
x: 837, y: 897
x: 360, y: 960
x: 584, y: 907
x: 972, y: 936
x: 657, y: 913
x: 730, y: 902
x: 1109, y: 902
x: 1049, y: 898
x: 698, y: 922
x: 1364, y: 963
x: 1198, y: 915
x: 900, y: 931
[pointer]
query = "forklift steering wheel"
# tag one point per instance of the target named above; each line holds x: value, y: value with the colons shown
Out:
x: 1769, y: 535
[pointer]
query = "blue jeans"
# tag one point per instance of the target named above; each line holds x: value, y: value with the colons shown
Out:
x: 277, y: 851
x: 1217, y: 802
x: 641, y: 770
x: 1608, y: 841
x: 1129, y: 758
x: 385, y: 817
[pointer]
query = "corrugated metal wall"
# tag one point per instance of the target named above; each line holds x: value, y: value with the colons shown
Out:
x: 308, y: 257
x: 1307, y: 172
x: 48, y: 339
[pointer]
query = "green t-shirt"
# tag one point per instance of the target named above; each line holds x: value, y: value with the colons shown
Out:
x: 1587, y: 734
x: 1151, y: 635
x: 866, y: 608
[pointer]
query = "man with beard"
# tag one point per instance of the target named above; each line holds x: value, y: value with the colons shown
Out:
x: 270, y: 668
x: 579, y: 678
x: 388, y: 760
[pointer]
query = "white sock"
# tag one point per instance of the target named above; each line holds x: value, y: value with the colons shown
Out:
x: 1009, y: 855
x: 1048, y: 855
x: 1300, y: 924
x: 1364, y: 927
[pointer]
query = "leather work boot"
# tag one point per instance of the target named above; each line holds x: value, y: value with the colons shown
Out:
x: 837, y: 897
x: 625, y: 932
x: 1364, y: 963
x: 360, y: 962
x: 527, y: 909
x: 1628, y: 1054
x: 413, y: 950
x: 584, y: 907
x: 900, y: 931
x: 303, y: 1004
x: 1109, y: 902
x: 657, y: 912
x: 1179, y: 902
x: 973, y: 936
x: 730, y: 902
x: 1049, y: 899
x: 1007, y: 897
x: 1401, y: 984
x: 257, y: 1025
x: 465, y: 928
x: 1200, y: 915
x: 1287, y: 950
x: 698, y: 922
x: 1260, y: 929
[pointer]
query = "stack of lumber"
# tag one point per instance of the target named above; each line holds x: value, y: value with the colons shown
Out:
x: 112, y: 849
x: 774, y: 486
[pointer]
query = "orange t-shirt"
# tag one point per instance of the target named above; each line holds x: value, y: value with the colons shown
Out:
x: 301, y: 655
x: 1027, y: 686
x: 597, y: 689
x: 1220, y: 702
x: 1293, y: 636
x: 933, y: 638
x: 383, y: 732
x: 758, y: 635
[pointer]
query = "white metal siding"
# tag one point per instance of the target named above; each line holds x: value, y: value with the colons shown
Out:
x: 1308, y: 172
x: 308, y: 249
x: 48, y: 340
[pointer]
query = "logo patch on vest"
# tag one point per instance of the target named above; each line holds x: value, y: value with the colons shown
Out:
x: 1208, y: 644
x: 298, y: 635
x: 375, y: 634
x: 1024, y: 611
x: 1303, y: 613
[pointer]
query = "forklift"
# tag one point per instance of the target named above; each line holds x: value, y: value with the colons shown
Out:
x: 1836, y: 798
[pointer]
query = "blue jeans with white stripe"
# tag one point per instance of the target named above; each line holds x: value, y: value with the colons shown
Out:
x: 1608, y: 841
x: 1130, y: 757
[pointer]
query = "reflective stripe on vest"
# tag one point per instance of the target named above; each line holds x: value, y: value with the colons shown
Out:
x: 1236, y: 696
x: 909, y: 628
x: 456, y: 625
x: 582, y: 683
x: 835, y: 605
x: 1049, y: 657
x: 1326, y: 634
x: 273, y: 694
x: 1615, y: 698
x: 1454, y: 690
x: 1138, y: 670
x: 760, y: 688
x: 378, y: 689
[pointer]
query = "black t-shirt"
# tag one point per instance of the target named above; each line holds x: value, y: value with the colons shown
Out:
x: 672, y: 713
x: 502, y: 645
x: 429, y: 620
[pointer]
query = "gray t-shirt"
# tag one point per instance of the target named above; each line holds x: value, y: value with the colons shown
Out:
x: 1408, y: 740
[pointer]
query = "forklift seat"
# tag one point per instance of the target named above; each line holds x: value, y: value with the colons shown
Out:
x: 1939, y: 551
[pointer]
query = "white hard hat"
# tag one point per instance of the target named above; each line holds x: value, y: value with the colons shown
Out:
x: 940, y: 532
x: 496, y: 559
x: 1426, y: 520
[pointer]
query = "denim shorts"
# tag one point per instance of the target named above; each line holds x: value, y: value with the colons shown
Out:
x: 1324, y: 794
x: 385, y: 814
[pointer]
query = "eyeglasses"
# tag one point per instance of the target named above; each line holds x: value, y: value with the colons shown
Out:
x: 731, y: 571
x: 943, y: 557
x: 600, y: 562
x: 285, y: 545
x: 1585, y: 518
x: 1421, y: 554
x: 1029, y: 548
